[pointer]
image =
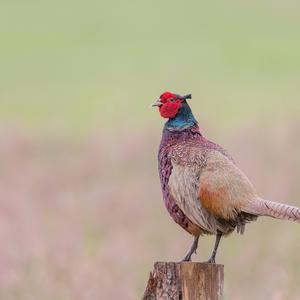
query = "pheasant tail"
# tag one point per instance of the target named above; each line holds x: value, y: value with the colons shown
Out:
x: 262, y: 207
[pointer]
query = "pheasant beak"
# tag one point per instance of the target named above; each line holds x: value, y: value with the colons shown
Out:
x: 157, y: 103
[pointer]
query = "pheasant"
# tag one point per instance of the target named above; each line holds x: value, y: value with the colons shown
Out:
x: 203, y: 189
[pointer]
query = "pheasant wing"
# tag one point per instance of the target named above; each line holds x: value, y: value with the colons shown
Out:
x: 208, y: 187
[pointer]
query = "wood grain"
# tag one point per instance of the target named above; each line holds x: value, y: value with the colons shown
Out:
x: 185, y: 281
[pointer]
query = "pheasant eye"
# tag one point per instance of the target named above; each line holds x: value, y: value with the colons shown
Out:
x: 172, y: 99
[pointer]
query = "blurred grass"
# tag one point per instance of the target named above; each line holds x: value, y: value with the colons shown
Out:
x: 80, y: 65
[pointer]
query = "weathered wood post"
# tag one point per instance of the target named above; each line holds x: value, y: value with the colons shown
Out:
x: 185, y: 281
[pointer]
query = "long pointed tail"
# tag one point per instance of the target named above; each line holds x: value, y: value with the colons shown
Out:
x: 262, y: 207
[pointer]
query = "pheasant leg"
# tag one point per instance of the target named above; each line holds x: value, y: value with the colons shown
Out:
x: 212, y: 259
x: 192, y: 250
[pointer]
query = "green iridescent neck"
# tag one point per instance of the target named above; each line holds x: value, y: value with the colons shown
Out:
x: 182, y: 120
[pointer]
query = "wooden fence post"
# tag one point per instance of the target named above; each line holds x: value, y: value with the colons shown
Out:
x: 185, y: 281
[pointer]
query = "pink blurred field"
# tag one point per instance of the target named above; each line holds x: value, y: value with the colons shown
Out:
x: 84, y: 219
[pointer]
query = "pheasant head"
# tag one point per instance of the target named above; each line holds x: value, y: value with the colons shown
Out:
x: 175, y: 108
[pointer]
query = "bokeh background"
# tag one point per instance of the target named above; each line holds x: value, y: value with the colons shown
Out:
x: 81, y: 212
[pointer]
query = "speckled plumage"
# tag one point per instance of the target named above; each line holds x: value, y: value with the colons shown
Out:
x: 188, y: 149
x: 169, y: 140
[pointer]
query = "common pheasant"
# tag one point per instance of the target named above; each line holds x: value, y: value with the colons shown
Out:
x: 203, y: 189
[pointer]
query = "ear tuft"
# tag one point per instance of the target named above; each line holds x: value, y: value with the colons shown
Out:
x: 185, y: 97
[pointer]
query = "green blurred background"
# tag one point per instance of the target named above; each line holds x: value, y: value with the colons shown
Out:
x: 81, y: 212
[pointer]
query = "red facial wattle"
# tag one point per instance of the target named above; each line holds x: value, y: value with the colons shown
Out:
x: 170, y: 109
x: 170, y: 105
x: 166, y: 96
